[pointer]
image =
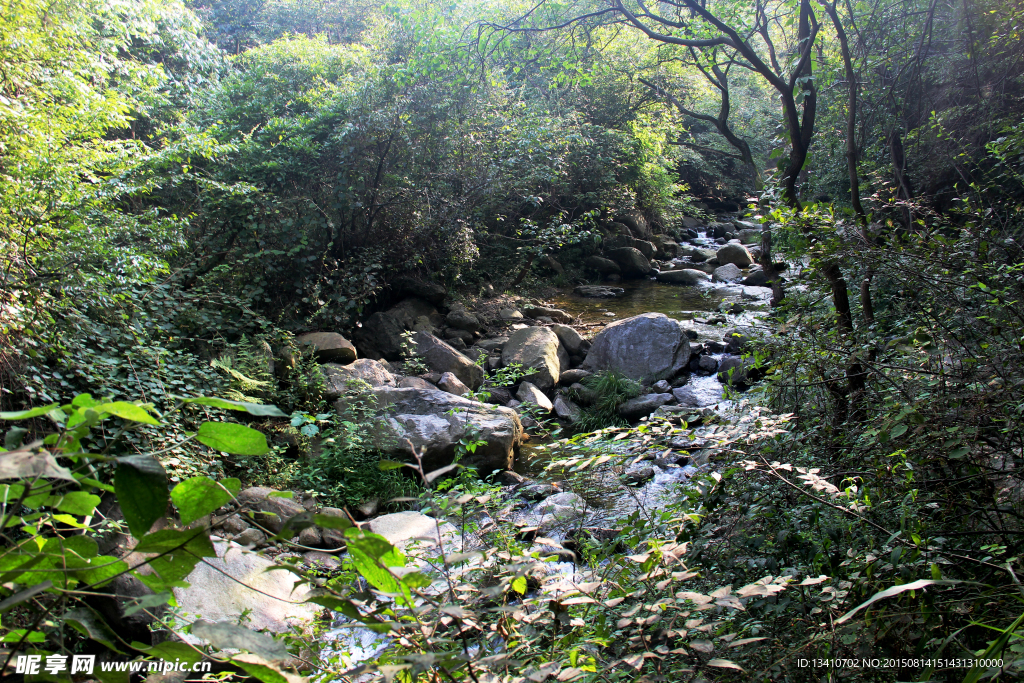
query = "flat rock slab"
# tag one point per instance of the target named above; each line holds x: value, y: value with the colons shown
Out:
x: 599, y: 291
x: 238, y: 580
x: 328, y: 347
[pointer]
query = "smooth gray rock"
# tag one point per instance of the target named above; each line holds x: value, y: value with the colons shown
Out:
x: 436, y: 420
x: 632, y: 261
x: 727, y: 273
x: 462, y: 319
x: 529, y: 393
x: 570, y: 338
x: 452, y: 385
x: 328, y: 347
x: 651, y: 346
x: 599, y: 291
x: 370, y: 371
x: 603, y: 266
x: 566, y: 409
x: 410, y: 310
x: 735, y: 370
x: 707, y: 365
x: 510, y: 314
x: 639, y: 477
x: 381, y: 332
x: 556, y: 314
x: 648, y: 249
x: 573, y: 376
x: 735, y: 254
x: 736, y: 341
x: 642, y: 406
x: 539, y: 352
x: 687, y: 276
x: 442, y: 357
x: 415, y: 383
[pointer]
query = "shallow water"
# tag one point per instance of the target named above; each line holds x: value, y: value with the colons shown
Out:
x: 641, y: 296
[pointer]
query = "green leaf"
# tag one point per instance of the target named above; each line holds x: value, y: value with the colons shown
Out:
x: 127, y: 411
x: 141, y: 486
x: 257, y: 409
x: 91, y: 625
x: 519, y: 585
x: 898, y: 430
x: 232, y: 438
x: 390, y: 465
x: 169, y: 651
x: 200, y: 496
x: 195, y: 541
x: 331, y: 522
x: 259, y: 668
x: 28, y: 414
x: 78, y: 503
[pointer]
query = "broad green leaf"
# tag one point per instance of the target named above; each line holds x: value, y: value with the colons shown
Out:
x: 127, y: 411
x: 331, y: 522
x: 78, y: 503
x: 195, y: 541
x: 232, y: 438
x: 141, y: 486
x: 91, y: 625
x: 519, y: 585
x: 28, y: 414
x: 19, y: 634
x: 133, y: 605
x: 258, y: 409
x: 898, y: 430
x: 391, y: 465
x: 200, y: 496
x: 266, y: 671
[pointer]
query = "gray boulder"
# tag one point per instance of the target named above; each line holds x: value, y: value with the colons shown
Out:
x: 757, y: 279
x: 529, y: 393
x: 452, y: 385
x: 370, y: 371
x: 558, y: 315
x: 462, y: 319
x: 749, y: 235
x: 599, y: 291
x: 570, y: 338
x: 435, y: 421
x: 736, y: 341
x: 735, y: 254
x: 573, y: 376
x: 727, y: 273
x: 648, y: 249
x: 509, y: 314
x: 382, y: 333
x: 651, y: 346
x: 735, y: 370
x: 687, y: 276
x: 420, y: 287
x: 415, y: 383
x: 632, y: 262
x: 539, y: 352
x: 409, y: 311
x: 566, y: 409
x: 642, y: 406
x: 328, y: 347
x: 603, y: 266
x: 441, y: 357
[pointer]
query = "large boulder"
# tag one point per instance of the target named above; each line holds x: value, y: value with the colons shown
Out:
x: 648, y: 249
x: 383, y: 334
x: 442, y: 358
x: 603, y: 266
x: 461, y: 319
x: 642, y: 406
x: 328, y: 347
x: 636, y: 222
x: 556, y: 314
x: 749, y: 235
x: 420, y: 287
x: 651, y: 346
x: 632, y: 262
x: 687, y: 276
x: 735, y: 254
x: 370, y: 371
x: 529, y: 393
x: 727, y: 273
x: 736, y: 370
x: 408, y: 312
x: 238, y: 582
x: 436, y: 422
x: 570, y: 338
x: 539, y: 352
x: 599, y: 291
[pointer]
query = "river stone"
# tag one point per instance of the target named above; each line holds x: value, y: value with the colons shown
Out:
x: 420, y: 287
x: 727, y: 273
x: 757, y: 279
x: 639, y: 477
x: 599, y: 291
x: 510, y: 314
x: 529, y: 393
x: 570, y: 338
x: 687, y: 276
x: 636, y: 222
x: 561, y: 507
x: 603, y: 266
x: 690, y: 222
x: 494, y: 344
x: 556, y: 314
x: 383, y: 333
x: 749, y: 236
x: 441, y: 357
x: 370, y: 371
x: 707, y: 365
x: 736, y: 341
x: 642, y: 406
x: 410, y: 310
x: 648, y: 249
x: 573, y: 376
x: 566, y: 409
x: 328, y: 347
x: 650, y: 345
x: 463, y: 320
x: 539, y: 351
x: 452, y: 385
x: 736, y: 370
x: 436, y: 421
x: 735, y: 254
x: 402, y: 528
x: 415, y: 383
x: 239, y: 581
x: 632, y: 262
